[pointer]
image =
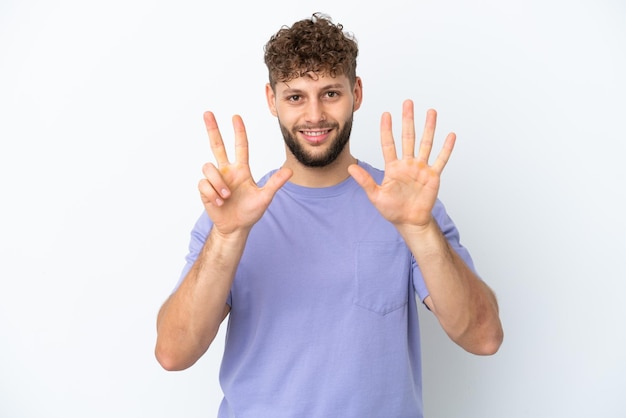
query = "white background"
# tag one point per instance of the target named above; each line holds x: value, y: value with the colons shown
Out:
x: 102, y: 142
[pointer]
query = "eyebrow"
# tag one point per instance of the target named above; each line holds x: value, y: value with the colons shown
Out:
x: 334, y: 86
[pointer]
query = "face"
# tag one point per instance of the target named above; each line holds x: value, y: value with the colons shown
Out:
x: 315, y: 116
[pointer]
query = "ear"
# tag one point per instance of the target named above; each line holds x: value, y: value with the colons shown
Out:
x: 357, y: 92
x: 271, y: 99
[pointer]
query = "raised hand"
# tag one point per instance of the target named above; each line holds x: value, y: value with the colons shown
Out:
x: 230, y: 196
x: 410, y: 187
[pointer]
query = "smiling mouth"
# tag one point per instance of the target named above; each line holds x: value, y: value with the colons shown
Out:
x: 315, y: 133
x: 316, y: 137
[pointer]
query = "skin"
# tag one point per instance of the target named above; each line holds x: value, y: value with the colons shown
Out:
x: 314, y: 110
x: 311, y: 101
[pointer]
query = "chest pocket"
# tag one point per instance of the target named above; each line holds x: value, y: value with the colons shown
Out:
x: 382, y: 276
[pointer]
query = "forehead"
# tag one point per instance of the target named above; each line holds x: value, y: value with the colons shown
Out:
x: 312, y: 82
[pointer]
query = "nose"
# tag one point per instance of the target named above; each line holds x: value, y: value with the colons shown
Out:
x: 314, y: 111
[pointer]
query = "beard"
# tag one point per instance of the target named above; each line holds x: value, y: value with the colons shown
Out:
x: 313, y: 160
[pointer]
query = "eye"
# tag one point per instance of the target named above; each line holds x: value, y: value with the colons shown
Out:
x: 332, y: 94
x: 293, y: 98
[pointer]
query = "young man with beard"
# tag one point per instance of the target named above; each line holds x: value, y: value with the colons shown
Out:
x: 317, y: 265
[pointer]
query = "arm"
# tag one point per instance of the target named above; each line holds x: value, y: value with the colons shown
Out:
x: 465, y: 307
x: 190, y: 318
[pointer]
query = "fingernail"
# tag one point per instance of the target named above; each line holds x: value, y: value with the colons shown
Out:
x: 219, y: 202
x: 225, y: 192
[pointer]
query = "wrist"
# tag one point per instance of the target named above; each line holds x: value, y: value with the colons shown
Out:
x: 235, y: 237
x: 419, y: 230
x: 424, y: 239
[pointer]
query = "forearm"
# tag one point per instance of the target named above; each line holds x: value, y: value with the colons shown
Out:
x: 189, y: 320
x: 464, y: 305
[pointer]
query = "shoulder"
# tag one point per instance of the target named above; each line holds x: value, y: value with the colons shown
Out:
x: 261, y: 181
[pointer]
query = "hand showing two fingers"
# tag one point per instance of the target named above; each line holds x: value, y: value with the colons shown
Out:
x: 230, y: 195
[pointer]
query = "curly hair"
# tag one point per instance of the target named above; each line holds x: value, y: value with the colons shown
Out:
x: 314, y: 45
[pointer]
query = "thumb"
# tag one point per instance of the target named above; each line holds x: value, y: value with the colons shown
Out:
x: 277, y: 180
x: 363, y: 178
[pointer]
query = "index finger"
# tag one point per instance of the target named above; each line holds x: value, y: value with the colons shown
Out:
x: 215, y: 139
x: 408, y: 129
x: 241, y: 140
x: 386, y: 139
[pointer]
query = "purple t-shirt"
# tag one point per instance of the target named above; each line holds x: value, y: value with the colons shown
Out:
x: 324, y: 319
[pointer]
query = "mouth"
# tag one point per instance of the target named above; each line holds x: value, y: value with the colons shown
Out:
x: 315, y: 136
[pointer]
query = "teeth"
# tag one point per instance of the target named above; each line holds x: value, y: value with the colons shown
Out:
x: 314, y: 133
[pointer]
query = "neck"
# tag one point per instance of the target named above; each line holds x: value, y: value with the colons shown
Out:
x: 326, y: 176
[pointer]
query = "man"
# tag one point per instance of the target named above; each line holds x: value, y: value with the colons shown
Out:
x: 317, y: 265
